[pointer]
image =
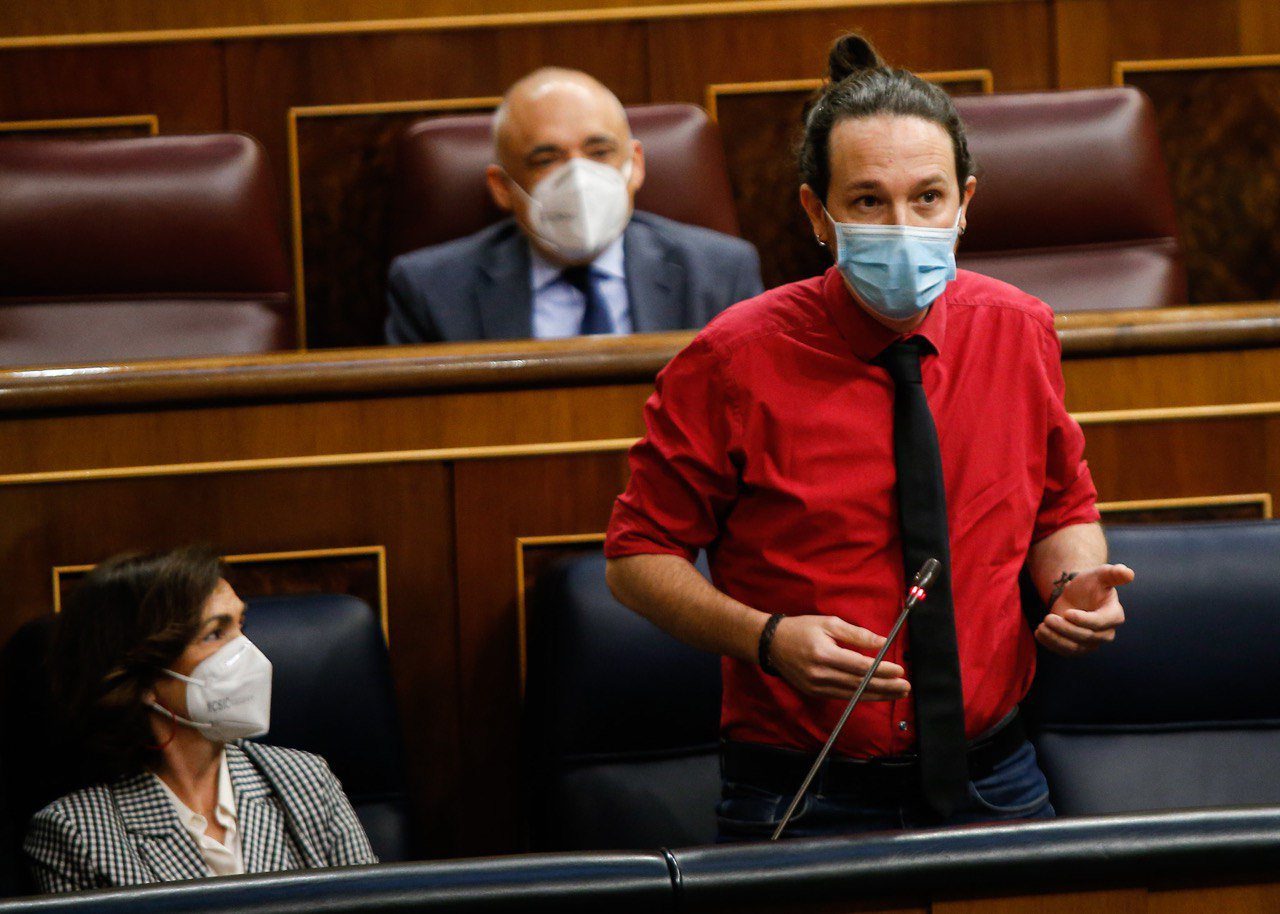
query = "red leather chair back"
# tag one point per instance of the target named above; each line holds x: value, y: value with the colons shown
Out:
x: 1073, y: 202
x: 440, y: 191
x: 138, y: 248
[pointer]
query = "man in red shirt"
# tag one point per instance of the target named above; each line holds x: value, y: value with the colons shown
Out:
x: 771, y: 443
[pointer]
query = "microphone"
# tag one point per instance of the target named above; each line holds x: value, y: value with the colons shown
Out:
x: 918, y: 590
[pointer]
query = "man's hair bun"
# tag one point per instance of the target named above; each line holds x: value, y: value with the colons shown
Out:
x: 851, y: 54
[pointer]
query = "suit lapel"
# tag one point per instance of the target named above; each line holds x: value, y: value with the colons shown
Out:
x: 280, y: 818
x: 655, y: 281
x: 162, y: 844
x: 503, y: 297
x: 264, y: 832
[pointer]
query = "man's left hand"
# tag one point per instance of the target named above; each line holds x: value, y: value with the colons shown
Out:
x: 1087, y: 613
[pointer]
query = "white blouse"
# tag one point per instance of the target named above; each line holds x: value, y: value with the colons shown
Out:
x: 223, y: 858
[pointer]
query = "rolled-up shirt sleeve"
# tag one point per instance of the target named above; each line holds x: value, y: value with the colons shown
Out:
x: 1070, y: 497
x: 684, y: 473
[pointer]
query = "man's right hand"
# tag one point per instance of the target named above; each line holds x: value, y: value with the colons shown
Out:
x: 827, y: 657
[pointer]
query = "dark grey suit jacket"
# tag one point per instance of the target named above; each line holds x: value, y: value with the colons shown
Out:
x: 477, y: 288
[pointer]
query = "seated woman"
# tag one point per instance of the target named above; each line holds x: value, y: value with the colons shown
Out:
x: 162, y: 687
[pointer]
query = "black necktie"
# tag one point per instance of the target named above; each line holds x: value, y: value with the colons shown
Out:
x: 595, y: 319
x: 935, y: 659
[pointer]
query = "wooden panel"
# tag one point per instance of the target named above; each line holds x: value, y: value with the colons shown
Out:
x: 1172, y: 379
x: 1091, y: 34
x: 1009, y: 39
x: 1243, y: 899
x: 341, y: 163
x: 1220, y: 128
x: 761, y: 127
x: 360, y: 571
x: 1113, y: 901
x: 319, y: 428
x: 499, y: 502
x: 70, y: 17
x: 1173, y: 458
x: 878, y: 906
x: 71, y: 522
x: 181, y: 84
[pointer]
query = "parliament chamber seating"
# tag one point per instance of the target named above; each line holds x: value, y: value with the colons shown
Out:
x: 1073, y: 203
x: 621, y: 721
x: 331, y: 695
x: 1181, y: 712
x: 122, y: 249
x: 439, y: 189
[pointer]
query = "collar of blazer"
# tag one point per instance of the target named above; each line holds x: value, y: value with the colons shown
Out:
x: 655, y: 281
x: 146, y: 813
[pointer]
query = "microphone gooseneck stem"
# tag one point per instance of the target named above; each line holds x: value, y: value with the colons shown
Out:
x: 914, y: 595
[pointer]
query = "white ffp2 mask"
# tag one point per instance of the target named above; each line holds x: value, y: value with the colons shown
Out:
x: 228, y: 693
x: 580, y: 208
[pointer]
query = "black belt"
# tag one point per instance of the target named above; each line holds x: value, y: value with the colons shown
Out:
x: 781, y: 771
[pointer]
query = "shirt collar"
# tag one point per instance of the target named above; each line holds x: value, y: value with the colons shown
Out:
x: 610, y: 262
x: 866, y: 335
x: 226, y: 810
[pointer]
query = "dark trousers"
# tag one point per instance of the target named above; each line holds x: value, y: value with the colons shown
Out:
x: 1014, y: 789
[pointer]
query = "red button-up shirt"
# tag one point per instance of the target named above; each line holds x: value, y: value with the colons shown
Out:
x: 770, y: 444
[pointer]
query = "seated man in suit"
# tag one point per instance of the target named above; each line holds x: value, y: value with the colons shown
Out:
x: 575, y: 258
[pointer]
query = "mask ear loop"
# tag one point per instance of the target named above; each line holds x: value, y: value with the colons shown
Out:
x: 173, y: 726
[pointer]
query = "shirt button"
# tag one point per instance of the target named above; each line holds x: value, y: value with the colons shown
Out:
x: 902, y: 725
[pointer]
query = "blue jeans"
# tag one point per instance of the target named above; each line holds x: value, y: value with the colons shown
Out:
x: 1016, y: 789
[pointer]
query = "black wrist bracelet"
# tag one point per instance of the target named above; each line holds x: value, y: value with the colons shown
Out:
x: 1059, y: 586
x: 766, y: 642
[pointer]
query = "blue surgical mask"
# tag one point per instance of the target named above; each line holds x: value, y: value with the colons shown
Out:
x: 897, y: 270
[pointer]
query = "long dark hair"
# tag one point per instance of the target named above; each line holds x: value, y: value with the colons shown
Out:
x: 131, y: 617
x: 860, y: 85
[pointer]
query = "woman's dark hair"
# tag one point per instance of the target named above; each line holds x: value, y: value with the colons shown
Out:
x: 860, y: 85
x: 131, y: 617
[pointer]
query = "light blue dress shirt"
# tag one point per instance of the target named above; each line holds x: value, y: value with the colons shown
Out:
x: 558, y: 307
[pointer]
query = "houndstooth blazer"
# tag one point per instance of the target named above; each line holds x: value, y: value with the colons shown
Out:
x: 290, y: 808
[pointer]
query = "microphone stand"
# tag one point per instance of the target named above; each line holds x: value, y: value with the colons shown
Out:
x: 917, y: 592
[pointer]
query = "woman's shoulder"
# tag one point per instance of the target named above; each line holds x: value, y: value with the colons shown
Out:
x: 280, y: 760
x: 76, y: 810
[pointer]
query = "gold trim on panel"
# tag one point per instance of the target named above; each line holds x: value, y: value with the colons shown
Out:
x: 458, y: 22
x: 1176, y: 413
x: 715, y: 90
x: 522, y: 627
x: 150, y: 121
x: 1244, y: 61
x: 429, y: 455
x: 425, y: 106
x: 379, y: 552
x: 1196, y: 501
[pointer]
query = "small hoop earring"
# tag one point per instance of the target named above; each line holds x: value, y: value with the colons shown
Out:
x: 821, y: 243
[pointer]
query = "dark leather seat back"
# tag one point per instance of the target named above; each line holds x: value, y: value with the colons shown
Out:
x: 1073, y: 202
x: 622, y: 721
x: 331, y: 695
x: 152, y: 247
x: 1183, y: 710
x: 440, y: 191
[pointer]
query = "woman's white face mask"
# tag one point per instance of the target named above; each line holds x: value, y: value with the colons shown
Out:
x: 580, y: 208
x: 228, y: 693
